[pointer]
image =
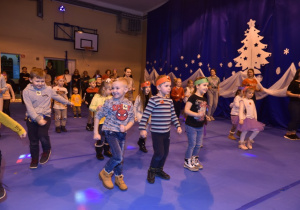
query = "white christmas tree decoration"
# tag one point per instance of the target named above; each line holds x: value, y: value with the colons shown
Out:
x: 221, y: 64
x: 252, y: 54
x: 186, y: 65
x: 192, y: 61
x: 286, y: 51
x: 181, y: 57
x: 200, y: 64
x: 229, y: 65
x: 176, y: 68
x: 198, y: 56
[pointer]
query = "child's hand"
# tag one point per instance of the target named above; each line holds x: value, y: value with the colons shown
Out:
x: 23, y: 135
x: 97, y: 136
x: 123, y: 128
x: 42, y: 122
x: 72, y: 104
x: 241, y: 122
x: 98, y: 107
x: 135, y: 119
x: 179, y: 130
x: 143, y: 133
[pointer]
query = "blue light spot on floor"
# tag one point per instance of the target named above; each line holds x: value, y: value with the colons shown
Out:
x: 130, y: 147
x: 248, y: 155
x: 87, y: 196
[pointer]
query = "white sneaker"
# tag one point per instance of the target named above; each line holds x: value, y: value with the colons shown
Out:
x: 188, y: 164
x: 196, y: 162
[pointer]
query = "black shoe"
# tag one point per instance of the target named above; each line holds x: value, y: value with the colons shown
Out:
x: 151, y: 175
x: 106, y: 150
x: 63, y: 129
x: 79, y: 115
x: 291, y: 136
x: 141, y: 144
x: 2, y: 192
x: 57, y: 130
x: 99, y: 150
x: 89, y: 127
x: 34, y: 163
x: 45, y: 157
x: 160, y: 173
x: 75, y: 116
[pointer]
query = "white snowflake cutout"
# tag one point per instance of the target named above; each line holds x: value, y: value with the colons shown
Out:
x: 198, y: 56
x: 176, y: 68
x: 147, y: 62
x: 160, y: 69
x: 154, y: 61
x: 207, y: 65
x: 192, y: 61
x: 191, y: 71
x: 200, y: 64
x: 186, y: 65
x: 221, y: 64
x: 181, y: 57
x: 229, y: 65
x: 286, y: 51
x: 278, y: 70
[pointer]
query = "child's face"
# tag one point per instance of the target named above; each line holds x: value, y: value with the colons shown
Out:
x: 190, y: 84
x: 107, y: 90
x: 164, y: 88
x: 212, y: 72
x: 250, y: 74
x: 38, y: 83
x: 128, y: 72
x: 60, y: 82
x: 75, y: 91
x: 24, y: 70
x: 119, y: 89
x: 178, y: 83
x: 92, y: 84
x: 99, y: 80
x: 249, y: 94
x: 202, y: 88
x: 147, y: 90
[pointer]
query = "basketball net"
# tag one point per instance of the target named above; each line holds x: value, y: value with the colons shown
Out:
x: 88, y: 51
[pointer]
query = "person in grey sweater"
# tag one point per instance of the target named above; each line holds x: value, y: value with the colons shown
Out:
x: 37, y: 97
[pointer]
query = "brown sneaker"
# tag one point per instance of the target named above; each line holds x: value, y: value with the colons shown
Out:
x: 45, y: 157
x: 119, y: 181
x: 106, y: 179
x: 231, y: 136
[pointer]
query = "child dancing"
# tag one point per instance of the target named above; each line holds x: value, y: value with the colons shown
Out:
x: 60, y: 110
x: 76, y: 100
x: 37, y: 98
x: 90, y: 92
x: 195, y: 109
x: 162, y: 112
x: 16, y: 127
x: 97, y: 102
x: 119, y: 119
x: 234, y: 114
x: 248, y: 119
x: 140, y: 104
x: 177, y: 94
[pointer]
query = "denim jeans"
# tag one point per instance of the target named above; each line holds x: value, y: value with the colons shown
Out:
x: 116, y: 141
x: 38, y: 133
x: 213, y: 98
x: 161, y: 144
x: 195, y: 136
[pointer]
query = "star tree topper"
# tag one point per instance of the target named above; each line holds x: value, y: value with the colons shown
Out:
x: 252, y: 54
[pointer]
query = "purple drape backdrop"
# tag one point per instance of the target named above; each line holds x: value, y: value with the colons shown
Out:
x: 183, y: 34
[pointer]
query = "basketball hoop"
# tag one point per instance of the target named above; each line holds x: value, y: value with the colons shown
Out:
x: 88, y: 50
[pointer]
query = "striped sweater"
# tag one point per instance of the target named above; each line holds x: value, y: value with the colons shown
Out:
x: 162, y: 114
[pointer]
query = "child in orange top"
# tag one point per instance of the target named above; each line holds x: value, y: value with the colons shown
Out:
x: 76, y: 100
x: 177, y: 95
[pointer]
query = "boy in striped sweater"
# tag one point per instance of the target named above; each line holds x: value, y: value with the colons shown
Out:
x: 162, y: 112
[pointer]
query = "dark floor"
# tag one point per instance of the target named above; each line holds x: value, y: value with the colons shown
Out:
x: 267, y: 177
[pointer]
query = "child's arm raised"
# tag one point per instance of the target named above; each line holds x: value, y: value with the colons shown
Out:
x: 60, y: 99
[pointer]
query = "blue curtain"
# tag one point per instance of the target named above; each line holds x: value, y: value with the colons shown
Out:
x: 183, y: 34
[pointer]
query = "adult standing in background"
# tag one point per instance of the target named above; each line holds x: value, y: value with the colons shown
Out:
x: 251, y: 81
x: 76, y: 80
x: 68, y: 79
x: 130, y: 83
x: 293, y: 92
x: 51, y: 70
x: 23, y: 81
x: 85, y: 82
x: 212, y: 94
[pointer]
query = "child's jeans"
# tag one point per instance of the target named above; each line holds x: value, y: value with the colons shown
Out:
x: 38, y: 133
x: 161, y: 144
x: 60, y: 117
x: 195, y: 136
x: 116, y: 141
